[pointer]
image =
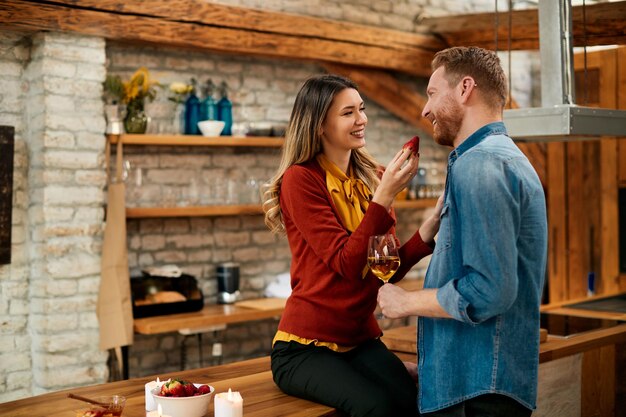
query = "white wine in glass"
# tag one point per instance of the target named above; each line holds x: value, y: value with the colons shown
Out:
x: 382, y: 256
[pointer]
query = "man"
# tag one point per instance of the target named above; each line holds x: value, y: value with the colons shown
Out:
x: 478, y: 327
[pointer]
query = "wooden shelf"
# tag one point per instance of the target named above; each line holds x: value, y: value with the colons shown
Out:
x: 194, y: 140
x: 192, y: 211
x: 419, y: 203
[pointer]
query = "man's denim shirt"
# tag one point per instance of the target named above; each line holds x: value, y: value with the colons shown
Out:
x: 489, y: 266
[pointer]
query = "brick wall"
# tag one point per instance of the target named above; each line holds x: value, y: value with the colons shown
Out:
x: 50, y: 90
x: 15, y: 356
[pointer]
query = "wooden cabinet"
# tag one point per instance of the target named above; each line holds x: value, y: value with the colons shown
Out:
x: 221, y: 141
x: 582, y: 189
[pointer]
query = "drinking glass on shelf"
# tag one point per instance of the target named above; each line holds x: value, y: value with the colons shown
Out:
x: 382, y: 256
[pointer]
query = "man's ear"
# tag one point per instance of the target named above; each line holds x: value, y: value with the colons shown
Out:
x: 467, y: 87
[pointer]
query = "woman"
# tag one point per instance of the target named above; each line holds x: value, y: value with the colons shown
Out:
x: 329, y: 196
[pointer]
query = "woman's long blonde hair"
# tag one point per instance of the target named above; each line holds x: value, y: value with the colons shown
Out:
x: 303, y: 141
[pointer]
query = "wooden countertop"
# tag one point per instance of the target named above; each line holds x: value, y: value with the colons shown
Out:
x: 404, y: 339
x: 212, y: 315
x: 251, y: 378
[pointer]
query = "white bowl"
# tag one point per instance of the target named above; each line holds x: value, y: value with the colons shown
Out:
x: 211, y: 127
x: 197, y: 406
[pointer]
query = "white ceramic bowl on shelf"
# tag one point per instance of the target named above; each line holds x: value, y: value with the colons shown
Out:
x: 196, y: 406
x: 211, y: 127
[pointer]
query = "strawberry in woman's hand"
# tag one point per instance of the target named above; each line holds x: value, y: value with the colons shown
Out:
x: 413, y: 145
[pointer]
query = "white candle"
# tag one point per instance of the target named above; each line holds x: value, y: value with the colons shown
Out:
x: 150, y: 404
x: 228, y: 404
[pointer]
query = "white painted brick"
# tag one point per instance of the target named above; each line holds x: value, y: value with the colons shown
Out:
x: 89, y: 285
x: 189, y: 241
x: 58, y: 68
x: 19, y: 380
x: 91, y: 72
x: 14, y: 289
x: 89, y: 214
x: 53, y: 323
x: 14, y: 361
x: 72, y: 52
x: 18, y: 307
x: 65, y: 195
x: 55, y: 288
x: 10, y: 69
x: 10, y: 324
x: 88, y: 321
x: 72, y: 160
x: 74, y: 266
x: 58, y: 104
x: 71, y: 87
x: 58, y: 214
x: 92, y: 177
x: 59, y: 139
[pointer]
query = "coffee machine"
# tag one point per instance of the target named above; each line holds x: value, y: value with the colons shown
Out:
x: 227, y: 283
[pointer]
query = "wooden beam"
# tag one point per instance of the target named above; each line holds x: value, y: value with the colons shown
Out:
x: 605, y: 24
x: 220, y: 15
x: 246, y: 31
x: 393, y: 95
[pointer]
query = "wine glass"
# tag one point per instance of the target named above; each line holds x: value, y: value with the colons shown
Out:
x: 382, y: 256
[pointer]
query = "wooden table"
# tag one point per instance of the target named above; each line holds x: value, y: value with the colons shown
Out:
x: 252, y: 378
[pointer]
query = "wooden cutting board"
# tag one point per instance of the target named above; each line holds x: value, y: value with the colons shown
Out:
x: 263, y: 303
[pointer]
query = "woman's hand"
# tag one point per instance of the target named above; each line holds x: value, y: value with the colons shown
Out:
x: 396, y: 177
x: 430, y: 227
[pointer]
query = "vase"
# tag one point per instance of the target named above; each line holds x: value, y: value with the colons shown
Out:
x: 178, y: 119
x: 136, y: 120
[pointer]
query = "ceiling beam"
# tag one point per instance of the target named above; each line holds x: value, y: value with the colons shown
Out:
x: 227, y: 29
x: 605, y: 24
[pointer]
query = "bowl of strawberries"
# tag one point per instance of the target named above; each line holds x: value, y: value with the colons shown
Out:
x: 179, y: 398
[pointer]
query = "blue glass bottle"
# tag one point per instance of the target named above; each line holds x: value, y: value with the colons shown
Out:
x: 192, y: 112
x: 208, y: 105
x: 225, y: 110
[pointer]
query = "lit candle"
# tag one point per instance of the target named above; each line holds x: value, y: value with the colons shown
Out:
x: 150, y: 404
x: 228, y: 404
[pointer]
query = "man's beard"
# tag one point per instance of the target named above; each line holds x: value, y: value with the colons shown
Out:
x: 449, y: 120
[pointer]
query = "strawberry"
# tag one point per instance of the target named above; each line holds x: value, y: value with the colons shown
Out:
x: 190, y: 389
x: 173, y: 388
x: 413, y: 145
x: 204, y: 389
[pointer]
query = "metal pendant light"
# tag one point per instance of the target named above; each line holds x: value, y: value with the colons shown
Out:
x: 559, y: 118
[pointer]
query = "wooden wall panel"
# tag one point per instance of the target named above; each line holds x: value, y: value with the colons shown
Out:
x: 558, y: 272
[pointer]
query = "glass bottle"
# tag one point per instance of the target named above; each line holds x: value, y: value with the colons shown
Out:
x: 225, y: 110
x: 208, y: 105
x: 192, y: 111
